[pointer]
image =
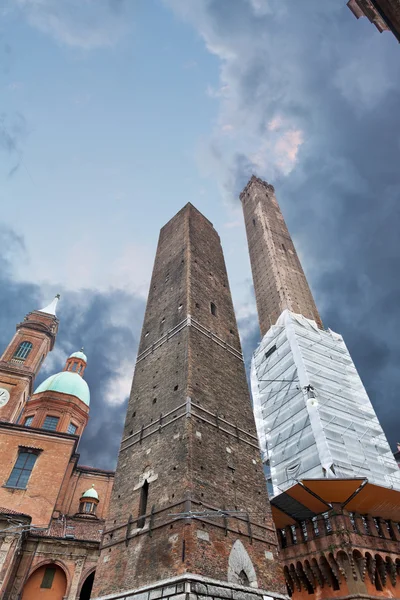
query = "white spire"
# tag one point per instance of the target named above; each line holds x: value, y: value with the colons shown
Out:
x: 51, y: 308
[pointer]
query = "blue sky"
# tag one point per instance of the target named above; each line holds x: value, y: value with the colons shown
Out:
x: 115, y: 113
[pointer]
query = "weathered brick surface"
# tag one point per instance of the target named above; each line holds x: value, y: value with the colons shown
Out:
x: 279, y: 280
x: 189, y: 429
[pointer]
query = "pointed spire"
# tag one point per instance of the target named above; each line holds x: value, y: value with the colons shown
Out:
x: 51, y: 308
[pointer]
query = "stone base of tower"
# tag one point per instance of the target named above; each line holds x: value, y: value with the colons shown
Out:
x: 194, y: 587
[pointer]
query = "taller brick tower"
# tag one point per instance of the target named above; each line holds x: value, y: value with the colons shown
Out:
x: 189, y: 511
x: 279, y: 280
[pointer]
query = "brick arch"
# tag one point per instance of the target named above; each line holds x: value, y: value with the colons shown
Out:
x: 54, y: 561
x: 310, y: 574
x: 328, y: 574
x: 43, y: 563
x: 370, y: 565
x: 289, y: 580
x: 303, y: 577
x: 83, y: 578
x: 360, y: 564
x: 391, y: 570
x: 316, y: 569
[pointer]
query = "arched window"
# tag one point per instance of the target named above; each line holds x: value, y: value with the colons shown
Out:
x: 23, y: 350
x: 88, y: 507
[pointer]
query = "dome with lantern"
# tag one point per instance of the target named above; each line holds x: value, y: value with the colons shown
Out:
x: 69, y: 381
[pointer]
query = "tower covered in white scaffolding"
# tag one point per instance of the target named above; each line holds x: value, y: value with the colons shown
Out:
x: 314, y: 418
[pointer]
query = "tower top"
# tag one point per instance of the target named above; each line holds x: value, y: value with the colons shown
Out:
x: 50, y: 309
x: 256, y: 181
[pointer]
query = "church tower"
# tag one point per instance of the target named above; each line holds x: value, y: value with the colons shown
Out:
x: 189, y: 511
x: 279, y: 280
x: 23, y: 357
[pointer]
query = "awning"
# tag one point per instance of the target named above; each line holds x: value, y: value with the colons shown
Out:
x: 311, y: 497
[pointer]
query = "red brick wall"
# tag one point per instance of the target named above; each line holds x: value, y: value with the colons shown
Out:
x: 39, y: 499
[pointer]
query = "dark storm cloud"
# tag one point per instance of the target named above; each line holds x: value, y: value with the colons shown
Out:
x: 106, y: 323
x: 308, y: 73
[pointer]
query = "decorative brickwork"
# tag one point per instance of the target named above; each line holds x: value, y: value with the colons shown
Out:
x: 189, y: 482
x: 342, y: 554
x: 279, y: 280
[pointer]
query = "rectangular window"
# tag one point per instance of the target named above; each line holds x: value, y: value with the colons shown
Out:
x: 48, y: 578
x: 144, y: 494
x: 28, y: 421
x: 50, y: 423
x: 72, y: 428
x: 22, y: 469
x: 213, y: 309
x: 270, y: 351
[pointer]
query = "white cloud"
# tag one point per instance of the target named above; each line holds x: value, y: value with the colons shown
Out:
x: 86, y: 24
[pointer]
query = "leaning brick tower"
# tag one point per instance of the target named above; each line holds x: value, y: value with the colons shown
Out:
x: 189, y: 511
x: 279, y: 279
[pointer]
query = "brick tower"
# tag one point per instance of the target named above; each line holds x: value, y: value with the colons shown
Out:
x: 334, y: 483
x: 279, y: 280
x: 23, y: 357
x: 189, y: 511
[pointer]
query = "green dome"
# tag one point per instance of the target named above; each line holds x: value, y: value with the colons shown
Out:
x: 91, y: 493
x: 66, y: 382
x: 80, y: 355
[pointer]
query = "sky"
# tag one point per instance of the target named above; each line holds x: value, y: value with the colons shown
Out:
x: 116, y: 113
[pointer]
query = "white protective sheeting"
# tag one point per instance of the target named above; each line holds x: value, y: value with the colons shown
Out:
x: 314, y: 418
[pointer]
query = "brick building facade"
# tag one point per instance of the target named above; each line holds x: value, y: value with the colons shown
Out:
x: 189, y: 511
x: 52, y: 510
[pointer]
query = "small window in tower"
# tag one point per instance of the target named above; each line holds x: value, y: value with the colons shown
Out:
x: 72, y: 429
x: 48, y: 578
x: 213, y: 309
x: 270, y: 351
x: 283, y: 247
x: 28, y: 421
x: 254, y: 222
x: 89, y: 507
x: 144, y: 494
x: 22, y: 351
x: 50, y: 423
x: 22, y: 469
